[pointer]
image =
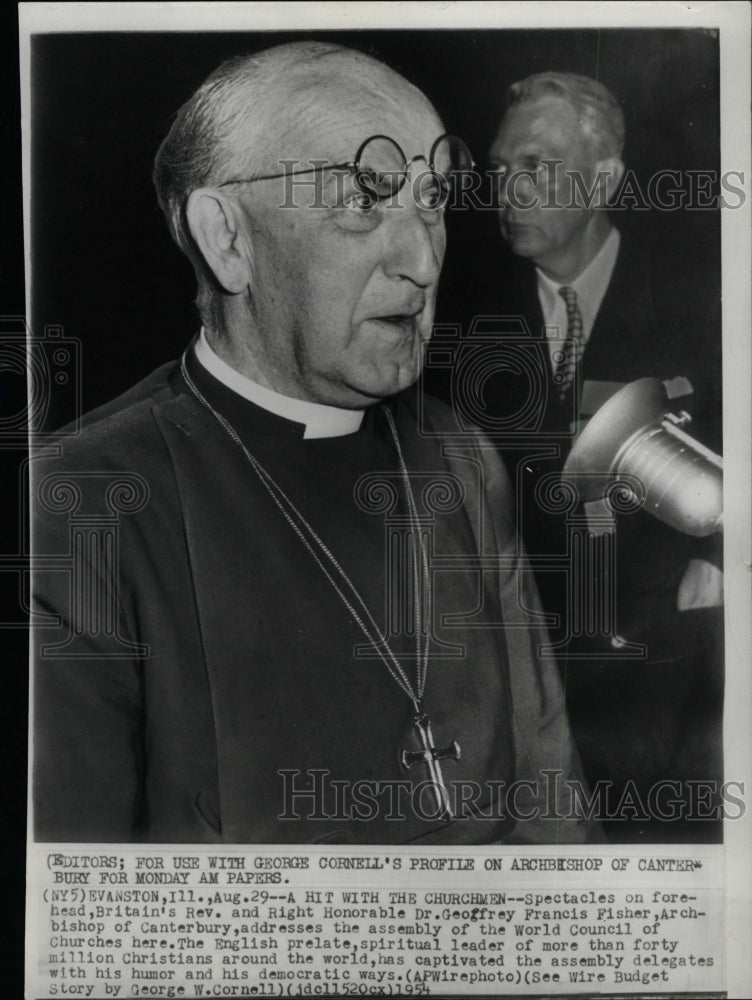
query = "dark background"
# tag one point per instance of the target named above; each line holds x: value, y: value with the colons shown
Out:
x: 104, y: 266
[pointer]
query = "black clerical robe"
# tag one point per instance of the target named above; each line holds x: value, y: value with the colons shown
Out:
x: 198, y: 677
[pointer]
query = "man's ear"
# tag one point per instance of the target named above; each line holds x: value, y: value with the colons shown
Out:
x: 215, y: 224
x: 609, y: 173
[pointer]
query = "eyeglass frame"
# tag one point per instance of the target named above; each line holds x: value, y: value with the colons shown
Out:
x: 354, y: 165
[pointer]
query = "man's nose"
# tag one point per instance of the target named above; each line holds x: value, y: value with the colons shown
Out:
x: 501, y: 190
x: 415, y: 239
x: 517, y: 190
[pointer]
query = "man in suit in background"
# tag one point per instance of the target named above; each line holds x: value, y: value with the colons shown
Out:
x: 603, y: 311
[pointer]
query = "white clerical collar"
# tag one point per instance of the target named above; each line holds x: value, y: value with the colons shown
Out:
x: 320, y: 421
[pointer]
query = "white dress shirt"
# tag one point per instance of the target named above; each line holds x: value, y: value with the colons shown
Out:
x: 590, y: 287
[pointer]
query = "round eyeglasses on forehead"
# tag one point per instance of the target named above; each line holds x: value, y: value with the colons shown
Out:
x: 380, y: 168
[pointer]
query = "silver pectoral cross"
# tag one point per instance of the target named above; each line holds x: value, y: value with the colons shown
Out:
x: 431, y: 755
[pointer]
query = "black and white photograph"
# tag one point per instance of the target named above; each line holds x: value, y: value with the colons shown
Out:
x: 381, y: 379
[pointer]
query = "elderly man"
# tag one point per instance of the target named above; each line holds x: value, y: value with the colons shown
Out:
x: 603, y: 310
x: 303, y: 595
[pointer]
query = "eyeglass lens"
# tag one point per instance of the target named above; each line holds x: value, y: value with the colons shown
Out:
x: 381, y: 167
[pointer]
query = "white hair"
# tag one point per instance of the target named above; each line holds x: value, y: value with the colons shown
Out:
x: 599, y: 114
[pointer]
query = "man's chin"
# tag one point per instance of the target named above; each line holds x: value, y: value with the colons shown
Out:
x: 389, y: 382
x: 524, y: 243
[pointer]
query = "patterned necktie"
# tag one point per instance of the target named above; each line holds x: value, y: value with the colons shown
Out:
x: 574, y: 345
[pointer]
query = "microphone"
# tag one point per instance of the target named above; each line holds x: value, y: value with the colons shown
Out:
x: 634, y: 443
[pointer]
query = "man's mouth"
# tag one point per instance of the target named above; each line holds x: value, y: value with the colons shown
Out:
x: 398, y: 319
x: 407, y: 319
x: 518, y: 230
x: 516, y: 227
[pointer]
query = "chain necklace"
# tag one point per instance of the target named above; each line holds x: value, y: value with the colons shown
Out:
x: 351, y: 598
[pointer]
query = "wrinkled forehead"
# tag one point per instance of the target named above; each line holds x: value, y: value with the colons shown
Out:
x: 548, y: 123
x: 328, y: 111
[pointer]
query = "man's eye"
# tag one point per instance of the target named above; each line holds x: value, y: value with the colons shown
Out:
x: 532, y: 163
x: 360, y: 201
x: 346, y: 191
x: 431, y: 192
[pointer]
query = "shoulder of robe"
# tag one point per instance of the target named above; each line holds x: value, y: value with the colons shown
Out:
x: 122, y: 432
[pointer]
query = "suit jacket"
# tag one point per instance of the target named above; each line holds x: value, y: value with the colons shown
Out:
x: 642, y: 718
x: 157, y: 719
x: 659, y: 318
